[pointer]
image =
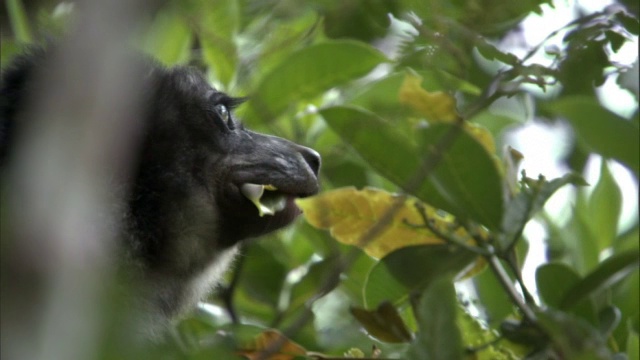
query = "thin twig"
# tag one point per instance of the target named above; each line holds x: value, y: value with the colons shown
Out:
x: 511, y: 260
x: 449, y: 238
x: 504, y: 279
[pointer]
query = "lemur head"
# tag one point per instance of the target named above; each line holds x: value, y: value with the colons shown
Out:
x: 197, y: 155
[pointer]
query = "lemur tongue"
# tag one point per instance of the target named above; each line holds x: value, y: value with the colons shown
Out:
x: 267, y: 206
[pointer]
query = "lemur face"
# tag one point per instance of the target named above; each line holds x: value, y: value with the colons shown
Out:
x: 196, y: 152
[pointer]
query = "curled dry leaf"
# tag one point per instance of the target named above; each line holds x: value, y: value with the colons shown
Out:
x: 272, y: 345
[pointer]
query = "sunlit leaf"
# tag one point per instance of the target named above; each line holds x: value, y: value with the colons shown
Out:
x: 605, y: 205
x: 476, y: 335
x: 512, y: 159
x: 439, y: 107
x: 435, y: 106
x: 349, y: 213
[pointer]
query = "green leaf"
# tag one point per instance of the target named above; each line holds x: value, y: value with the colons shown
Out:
x: 467, y: 175
x: 438, y: 336
x: 601, y: 130
x: 609, y: 272
x: 465, y: 182
x: 354, y: 280
x: 626, y: 297
x: 476, y: 335
x: 605, y: 205
x: 417, y: 266
x: 573, y: 337
x: 491, y: 52
x: 383, y: 323
x: 633, y: 346
x: 629, y: 21
x: 492, y: 296
x: 10, y: 49
x: 495, y: 123
x: 380, y: 286
x: 608, y: 320
x: 19, y: 21
x: 260, y: 285
x: 169, y: 38
x: 309, y: 72
x: 217, y: 26
x: 308, y: 286
x: 553, y: 280
x: 413, y: 268
x: 372, y: 138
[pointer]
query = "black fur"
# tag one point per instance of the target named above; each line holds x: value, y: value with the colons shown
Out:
x: 185, y: 213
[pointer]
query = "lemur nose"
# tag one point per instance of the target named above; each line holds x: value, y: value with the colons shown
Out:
x: 312, y: 158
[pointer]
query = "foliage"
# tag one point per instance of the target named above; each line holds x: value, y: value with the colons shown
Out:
x: 405, y: 97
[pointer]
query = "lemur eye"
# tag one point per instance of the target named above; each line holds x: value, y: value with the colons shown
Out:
x: 224, y: 114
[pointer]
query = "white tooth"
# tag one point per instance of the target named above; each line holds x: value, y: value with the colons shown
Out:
x: 276, y: 203
x: 281, y: 204
x: 254, y: 192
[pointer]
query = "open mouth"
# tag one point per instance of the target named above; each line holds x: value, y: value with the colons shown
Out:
x: 267, y: 199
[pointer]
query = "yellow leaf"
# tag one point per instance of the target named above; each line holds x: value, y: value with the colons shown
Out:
x: 349, y: 213
x: 483, y: 136
x: 437, y: 107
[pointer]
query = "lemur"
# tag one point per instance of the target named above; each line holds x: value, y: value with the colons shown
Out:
x: 202, y: 183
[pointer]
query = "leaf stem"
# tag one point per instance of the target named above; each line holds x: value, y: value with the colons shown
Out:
x: 503, y: 277
x: 512, y: 261
x: 449, y: 238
